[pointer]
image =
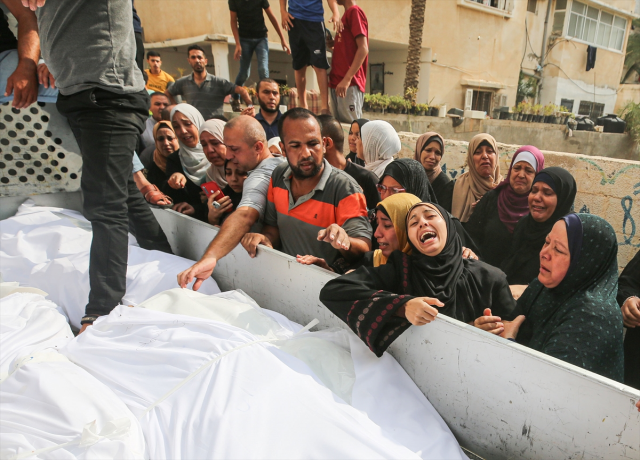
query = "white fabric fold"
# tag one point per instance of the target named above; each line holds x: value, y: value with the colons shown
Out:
x: 48, y: 248
x: 193, y: 361
x: 51, y: 408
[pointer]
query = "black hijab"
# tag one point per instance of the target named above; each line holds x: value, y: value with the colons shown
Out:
x: 411, y: 175
x: 361, y: 122
x: 455, y: 281
x: 367, y: 299
x: 579, y: 320
x: 523, y: 262
x: 353, y: 156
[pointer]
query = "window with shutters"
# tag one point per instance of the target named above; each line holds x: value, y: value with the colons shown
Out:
x: 594, y: 26
x: 482, y: 101
x: 496, y: 7
x: 592, y: 109
x: 568, y: 103
x: 558, y: 17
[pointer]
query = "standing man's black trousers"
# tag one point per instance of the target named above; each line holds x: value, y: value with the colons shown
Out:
x: 107, y: 126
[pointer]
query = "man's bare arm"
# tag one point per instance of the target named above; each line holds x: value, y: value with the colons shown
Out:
x: 230, y: 234
x: 236, y: 35
x: 170, y: 96
x: 358, y: 60
x: 23, y: 82
x: 276, y: 25
x: 357, y: 248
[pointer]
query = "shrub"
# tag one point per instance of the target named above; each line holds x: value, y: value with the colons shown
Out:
x: 631, y: 114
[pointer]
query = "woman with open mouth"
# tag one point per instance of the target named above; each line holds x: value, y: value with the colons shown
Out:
x: 380, y: 303
x: 390, y: 234
x: 551, y: 197
x: 570, y: 311
x: 187, y: 167
x: 495, y: 217
x: 429, y: 152
x: 483, y: 175
x: 406, y: 175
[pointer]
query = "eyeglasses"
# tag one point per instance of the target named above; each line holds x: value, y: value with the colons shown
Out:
x: 393, y: 190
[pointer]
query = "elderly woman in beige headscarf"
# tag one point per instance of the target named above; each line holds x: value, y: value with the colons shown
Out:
x: 483, y: 175
x: 212, y: 141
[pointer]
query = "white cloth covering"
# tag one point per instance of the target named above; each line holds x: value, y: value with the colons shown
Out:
x: 259, y: 392
x: 48, y: 248
x: 48, y: 401
x: 380, y: 142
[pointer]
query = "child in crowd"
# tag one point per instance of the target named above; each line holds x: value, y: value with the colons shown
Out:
x: 235, y: 178
x: 304, y: 20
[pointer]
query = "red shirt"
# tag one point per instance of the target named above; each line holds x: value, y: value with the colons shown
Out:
x: 345, y: 47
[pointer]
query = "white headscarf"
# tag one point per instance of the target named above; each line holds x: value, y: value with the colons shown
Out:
x: 380, y: 143
x: 194, y: 162
x: 215, y: 127
x: 274, y: 142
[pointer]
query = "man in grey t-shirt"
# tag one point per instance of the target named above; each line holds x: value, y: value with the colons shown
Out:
x: 204, y: 91
x: 246, y: 147
x: 90, y: 49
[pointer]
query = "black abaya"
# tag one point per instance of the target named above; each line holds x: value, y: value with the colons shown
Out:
x: 443, y: 190
x: 368, y: 299
x: 628, y: 286
x: 487, y: 230
x: 523, y: 262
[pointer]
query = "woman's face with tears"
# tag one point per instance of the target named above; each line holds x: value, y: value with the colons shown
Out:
x: 186, y: 131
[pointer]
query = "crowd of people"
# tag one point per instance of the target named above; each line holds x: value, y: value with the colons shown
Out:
x: 504, y: 253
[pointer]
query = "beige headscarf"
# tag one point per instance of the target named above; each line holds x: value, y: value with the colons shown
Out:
x: 159, y: 159
x: 421, y: 143
x: 215, y: 127
x: 470, y: 186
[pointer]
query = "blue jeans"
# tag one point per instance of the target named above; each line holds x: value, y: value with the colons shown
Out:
x: 261, y: 48
x: 8, y: 64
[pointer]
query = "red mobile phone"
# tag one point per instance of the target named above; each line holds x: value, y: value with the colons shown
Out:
x: 210, y: 187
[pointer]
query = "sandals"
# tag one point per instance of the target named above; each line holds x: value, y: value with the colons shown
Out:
x: 155, y: 197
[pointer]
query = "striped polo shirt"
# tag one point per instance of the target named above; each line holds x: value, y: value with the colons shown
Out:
x: 336, y: 199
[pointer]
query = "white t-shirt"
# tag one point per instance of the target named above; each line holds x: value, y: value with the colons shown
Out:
x: 256, y: 185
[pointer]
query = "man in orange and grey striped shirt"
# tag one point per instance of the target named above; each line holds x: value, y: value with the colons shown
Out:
x: 312, y: 208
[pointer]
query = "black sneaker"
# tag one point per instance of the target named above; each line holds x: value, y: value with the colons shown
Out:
x: 235, y: 105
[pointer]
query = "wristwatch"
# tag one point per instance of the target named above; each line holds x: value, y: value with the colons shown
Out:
x: 89, y: 319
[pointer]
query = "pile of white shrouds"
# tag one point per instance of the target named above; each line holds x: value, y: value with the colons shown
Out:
x: 183, y: 375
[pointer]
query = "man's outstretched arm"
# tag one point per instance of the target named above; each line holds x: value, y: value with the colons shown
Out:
x: 233, y: 229
x: 23, y: 82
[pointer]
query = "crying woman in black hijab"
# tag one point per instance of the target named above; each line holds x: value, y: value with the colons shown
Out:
x: 407, y: 175
x: 380, y: 303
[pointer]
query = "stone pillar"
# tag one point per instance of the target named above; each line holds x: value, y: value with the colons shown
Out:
x: 220, y: 53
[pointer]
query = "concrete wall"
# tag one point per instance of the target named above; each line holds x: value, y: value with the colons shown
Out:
x: 607, y: 187
x: 626, y: 93
x: 542, y: 135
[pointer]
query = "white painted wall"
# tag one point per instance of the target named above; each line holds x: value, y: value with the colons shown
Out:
x: 555, y: 89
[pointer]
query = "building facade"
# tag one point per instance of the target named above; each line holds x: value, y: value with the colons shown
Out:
x: 473, y: 51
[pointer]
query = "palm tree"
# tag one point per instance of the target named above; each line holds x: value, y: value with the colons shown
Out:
x: 416, y: 23
x: 632, y: 58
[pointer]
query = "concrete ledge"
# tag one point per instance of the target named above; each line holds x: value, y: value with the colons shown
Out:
x: 542, y: 135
